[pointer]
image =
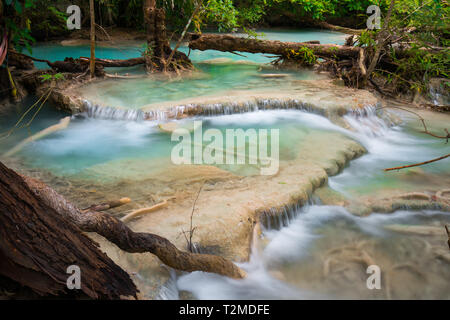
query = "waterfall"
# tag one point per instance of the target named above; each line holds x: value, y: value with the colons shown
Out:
x: 213, y: 109
x: 278, y: 218
x: 100, y: 112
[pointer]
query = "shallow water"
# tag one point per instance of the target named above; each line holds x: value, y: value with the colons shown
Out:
x: 320, y: 255
x: 324, y: 252
x: 216, y: 71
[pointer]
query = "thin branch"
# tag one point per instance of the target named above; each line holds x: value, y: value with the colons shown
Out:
x: 418, y: 164
x: 191, y: 229
x: 196, y: 11
x: 447, y: 137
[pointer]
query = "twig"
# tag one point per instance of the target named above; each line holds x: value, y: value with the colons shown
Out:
x: 191, y: 229
x: 418, y: 164
x: 423, y: 123
x: 448, y: 234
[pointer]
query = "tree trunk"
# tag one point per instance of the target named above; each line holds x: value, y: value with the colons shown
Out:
x: 92, y: 61
x: 381, y: 39
x: 158, y: 45
x: 38, y: 245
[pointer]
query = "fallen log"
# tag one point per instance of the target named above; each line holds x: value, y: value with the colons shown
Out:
x: 229, y: 43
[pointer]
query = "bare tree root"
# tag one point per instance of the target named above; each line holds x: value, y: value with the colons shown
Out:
x: 117, y: 232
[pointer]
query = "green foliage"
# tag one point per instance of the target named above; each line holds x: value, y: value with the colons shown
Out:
x: 367, y: 38
x: 50, y: 77
x: 303, y: 55
x: 49, y: 21
x: 21, y: 35
x: 422, y: 26
x: 222, y: 13
x: 148, y: 50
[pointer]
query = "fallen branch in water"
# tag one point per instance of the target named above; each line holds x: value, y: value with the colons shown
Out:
x: 140, y: 212
x: 63, y: 124
x: 418, y: 164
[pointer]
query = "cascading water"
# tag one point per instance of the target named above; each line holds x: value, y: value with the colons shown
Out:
x: 287, y: 262
x: 105, y: 112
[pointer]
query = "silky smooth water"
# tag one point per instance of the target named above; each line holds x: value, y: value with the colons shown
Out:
x: 134, y: 49
x: 389, y: 147
x: 89, y: 142
x: 325, y: 250
x: 303, y: 261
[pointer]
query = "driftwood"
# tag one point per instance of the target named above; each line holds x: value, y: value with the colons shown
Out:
x: 108, y: 205
x: 140, y: 212
x: 448, y: 234
x: 117, y: 232
x: 63, y: 124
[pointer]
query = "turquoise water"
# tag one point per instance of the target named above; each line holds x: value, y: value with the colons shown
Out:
x: 217, y: 72
x: 89, y: 142
x: 209, y: 79
x: 55, y: 52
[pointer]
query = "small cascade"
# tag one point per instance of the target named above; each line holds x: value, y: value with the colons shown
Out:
x: 278, y: 218
x: 110, y: 113
x: 229, y: 108
x: 438, y: 91
x: 369, y: 122
x: 215, y: 109
x: 169, y: 291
